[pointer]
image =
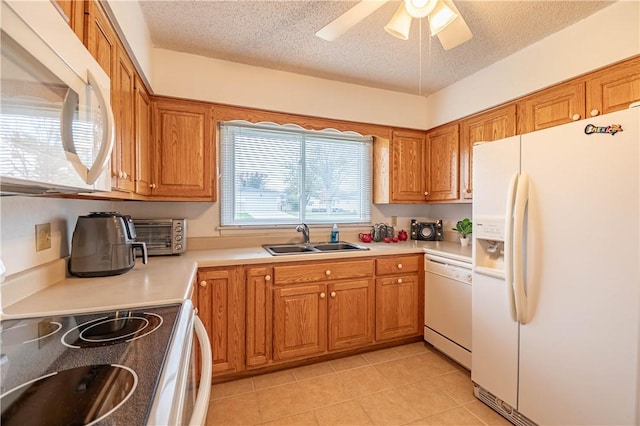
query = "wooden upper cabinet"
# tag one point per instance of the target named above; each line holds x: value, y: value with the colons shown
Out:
x: 488, y: 126
x: 441, y: 159
x: 101, y: 39
x: 408, y: 167
x: 551, y: 107
x: 123, y: 158
x: 183, y: 157
x: 72, y: 11
x: 613, y: 89
x: 142, y: 124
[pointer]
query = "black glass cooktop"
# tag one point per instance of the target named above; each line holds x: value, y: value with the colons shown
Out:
x: 100, y: 368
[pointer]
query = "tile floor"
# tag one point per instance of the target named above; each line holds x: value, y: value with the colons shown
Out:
x: 406, y: 385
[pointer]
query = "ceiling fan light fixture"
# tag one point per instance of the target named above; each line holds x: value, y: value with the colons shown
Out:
x: 441, y: 16
x: 400, y: 23
x: 419, y: 8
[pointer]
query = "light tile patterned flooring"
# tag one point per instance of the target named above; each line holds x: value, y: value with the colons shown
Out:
x: 406, y: 385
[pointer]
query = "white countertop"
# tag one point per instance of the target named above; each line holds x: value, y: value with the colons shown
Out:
x: 168, y: 279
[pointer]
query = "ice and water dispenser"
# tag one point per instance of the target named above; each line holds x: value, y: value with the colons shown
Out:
x: 489, y: 233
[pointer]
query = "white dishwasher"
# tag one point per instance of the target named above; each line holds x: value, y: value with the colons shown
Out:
x: 447, y: 306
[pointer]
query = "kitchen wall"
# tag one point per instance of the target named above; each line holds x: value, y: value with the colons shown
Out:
x: 18, y: 217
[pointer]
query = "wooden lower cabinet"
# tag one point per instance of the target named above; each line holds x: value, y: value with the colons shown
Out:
x: 351, y: 314
x: 299, y: 321
x: 220, y: 303
x: 397, y: 306
x: 259, y: 315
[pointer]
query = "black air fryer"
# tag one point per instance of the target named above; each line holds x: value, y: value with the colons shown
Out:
x: 103, y: 245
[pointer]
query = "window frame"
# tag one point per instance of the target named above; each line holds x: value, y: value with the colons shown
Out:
x: 295, y: 129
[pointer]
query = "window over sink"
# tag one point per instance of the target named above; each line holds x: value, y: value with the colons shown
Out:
x: 283, y: 174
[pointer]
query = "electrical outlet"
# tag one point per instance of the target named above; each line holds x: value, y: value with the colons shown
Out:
x: 394, y: 221
x: 43, y: 236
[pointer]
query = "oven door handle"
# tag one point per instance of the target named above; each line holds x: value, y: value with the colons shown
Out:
x: 202, y: 400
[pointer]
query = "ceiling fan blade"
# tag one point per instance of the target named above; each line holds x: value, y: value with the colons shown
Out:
x: 456, y: 33
x: 351, y: 17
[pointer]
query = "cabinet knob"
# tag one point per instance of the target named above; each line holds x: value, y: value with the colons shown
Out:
x: 195, y: 311
x: 322, y: 295
x: 120, y: 174
x: 333, y: 294
x: 124, y: 175
x: 399, y: 280
x: 267, y: 277
x: 203, y: 283
x: 327, y: 272
x: 426, y: 193
x: 594, y: 112
x: 152, y: 186
x: 399, y: 265
x: 575, y: 117
x: 468, y: 191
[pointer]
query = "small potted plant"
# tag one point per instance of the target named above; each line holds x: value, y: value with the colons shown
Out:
x: 464, y: 227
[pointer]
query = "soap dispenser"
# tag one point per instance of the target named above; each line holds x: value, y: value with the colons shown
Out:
x: 335, y: 233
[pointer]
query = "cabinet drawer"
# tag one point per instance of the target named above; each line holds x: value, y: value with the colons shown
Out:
x: 399, y: 264
x: 323, y: 271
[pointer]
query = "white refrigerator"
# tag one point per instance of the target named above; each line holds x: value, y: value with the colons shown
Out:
x: 556, y: 273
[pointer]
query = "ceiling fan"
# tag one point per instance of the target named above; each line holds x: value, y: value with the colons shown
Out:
x: 445, y: 20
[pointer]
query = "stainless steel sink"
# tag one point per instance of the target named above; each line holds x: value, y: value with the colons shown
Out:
x: 285, y: 249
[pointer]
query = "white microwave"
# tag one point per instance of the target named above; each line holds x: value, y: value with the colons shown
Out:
x: 56, y: 122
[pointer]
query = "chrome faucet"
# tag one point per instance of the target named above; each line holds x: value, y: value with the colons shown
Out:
x: 304, y: 228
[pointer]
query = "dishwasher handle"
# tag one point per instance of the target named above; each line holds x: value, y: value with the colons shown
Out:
x: 445, y: 261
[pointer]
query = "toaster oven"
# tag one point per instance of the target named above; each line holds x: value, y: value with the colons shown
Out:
x: 162, y: 236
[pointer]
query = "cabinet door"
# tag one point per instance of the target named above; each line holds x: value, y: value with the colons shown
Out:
x: 73, y: 12
x: 489, y: 126
x: 221, y: 309
x: 351, y: 313
x: 613, y: 89
x: 143, y: 139
x: 259, y: 316
x: 408, y: 169
x: 123, y: 94
x: 551, y: 107
x: 299, y: 321
x: 101, y: 38
x: 183, y: 156
x: 397, y: 307
x: 441, y: 159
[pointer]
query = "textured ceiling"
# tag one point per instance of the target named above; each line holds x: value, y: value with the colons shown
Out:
x: 281, y: 35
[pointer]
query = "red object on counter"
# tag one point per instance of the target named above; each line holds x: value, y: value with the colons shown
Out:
x: 402, y: 235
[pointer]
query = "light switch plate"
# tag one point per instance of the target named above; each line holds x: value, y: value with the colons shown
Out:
x: 43, y: 236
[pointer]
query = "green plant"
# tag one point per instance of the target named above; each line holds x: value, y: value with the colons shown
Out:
x: 464, y: 227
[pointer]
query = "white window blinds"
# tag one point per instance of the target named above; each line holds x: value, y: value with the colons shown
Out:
x: 274, y: 175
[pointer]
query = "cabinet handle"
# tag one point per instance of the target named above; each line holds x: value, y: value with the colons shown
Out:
x: 333, y: 294
x: 267, y: 277
x: 203, y: 283
x: 327, y: 272
x: 322, y: 295
x: 594, y: 112
x: 399, y: 265
x: 575, y: 117
x: 399, y: 280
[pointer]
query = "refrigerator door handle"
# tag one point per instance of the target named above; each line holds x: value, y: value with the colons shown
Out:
x: 522, y: 198
x: 508, y: 246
